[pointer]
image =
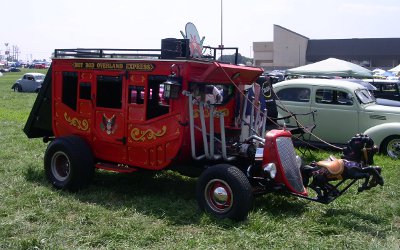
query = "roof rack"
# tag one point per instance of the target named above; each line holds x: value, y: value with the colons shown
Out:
x: 107, y: 53
x: 171, y: 48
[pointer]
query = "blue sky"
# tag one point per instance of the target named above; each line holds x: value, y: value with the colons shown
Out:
x: 38, y: 27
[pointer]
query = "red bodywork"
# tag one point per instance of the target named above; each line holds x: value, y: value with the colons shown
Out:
x: 125, y: 134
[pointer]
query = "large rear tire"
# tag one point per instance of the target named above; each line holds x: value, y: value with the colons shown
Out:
x: 224, y: 192
x: 68, y: 163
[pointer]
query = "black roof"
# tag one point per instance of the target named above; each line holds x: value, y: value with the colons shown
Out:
x: 353, y: 49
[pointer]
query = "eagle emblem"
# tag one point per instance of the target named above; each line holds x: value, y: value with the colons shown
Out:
x: 108, y: 124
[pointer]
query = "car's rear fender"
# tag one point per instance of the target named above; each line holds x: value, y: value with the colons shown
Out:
x: 379, y: 132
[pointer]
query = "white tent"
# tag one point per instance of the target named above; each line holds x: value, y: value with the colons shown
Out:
x: 331, y: 67
x: 395, y: 69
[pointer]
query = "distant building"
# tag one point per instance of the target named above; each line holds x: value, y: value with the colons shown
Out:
x: 290, y: 49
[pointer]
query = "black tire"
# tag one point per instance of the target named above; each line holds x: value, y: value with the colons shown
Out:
x: 68, y: 163
x: 391, y: 146
x: 225, y: 192
x: 17, y: 87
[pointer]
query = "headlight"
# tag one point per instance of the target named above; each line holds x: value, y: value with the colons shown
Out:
x: 270, y: 170
x: 299, y: 161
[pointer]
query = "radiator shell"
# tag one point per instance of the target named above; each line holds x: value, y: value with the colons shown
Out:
x: 279, y: 150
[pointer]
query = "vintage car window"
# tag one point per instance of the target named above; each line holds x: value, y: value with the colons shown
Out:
x: 294, y: 94
x: 364, y: 96
x: 39, y: 77
x: 344, y: 98
x: 389, y: 88
x: 324, y: 96
x: 217, y: 94
x: 69, y: 89
x: 331, y: 96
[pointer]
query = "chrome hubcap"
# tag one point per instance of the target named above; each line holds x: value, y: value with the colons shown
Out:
x: 218, y: 195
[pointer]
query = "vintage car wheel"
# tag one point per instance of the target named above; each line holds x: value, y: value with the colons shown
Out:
x: 68, y: 163
x: 225, y: 192
x: 391, y: 146
x: 17, y: 88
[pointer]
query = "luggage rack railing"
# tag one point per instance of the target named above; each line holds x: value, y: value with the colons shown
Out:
x: 141, y: 53
x: 107, y: 53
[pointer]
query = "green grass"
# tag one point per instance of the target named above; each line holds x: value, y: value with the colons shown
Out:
x: 120, y: 211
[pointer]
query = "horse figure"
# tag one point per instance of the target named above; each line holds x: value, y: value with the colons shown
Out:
x: 354, y: 166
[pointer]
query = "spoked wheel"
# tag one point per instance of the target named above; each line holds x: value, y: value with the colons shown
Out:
x: 391, y: 146
x: 225, y: 192
x: 68, y: 163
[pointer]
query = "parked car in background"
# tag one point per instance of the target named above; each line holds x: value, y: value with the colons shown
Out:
x: 387, y: 89
x: 377, y: 93
x: 343, y: 109
x: 30, y: 82
x: 14, y: 69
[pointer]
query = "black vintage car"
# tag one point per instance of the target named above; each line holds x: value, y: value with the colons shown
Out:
x: 387, y: 89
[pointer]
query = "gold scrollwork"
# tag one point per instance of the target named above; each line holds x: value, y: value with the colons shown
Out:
x: 79, y: 124
x: 140, y: 135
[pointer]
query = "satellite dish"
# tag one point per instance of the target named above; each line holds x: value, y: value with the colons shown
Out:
x: 195, y: 44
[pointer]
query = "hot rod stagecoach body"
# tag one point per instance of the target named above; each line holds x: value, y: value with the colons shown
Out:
x: 129, y: 110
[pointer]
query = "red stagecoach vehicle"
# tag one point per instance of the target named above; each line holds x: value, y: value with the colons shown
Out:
x: 127, y: 110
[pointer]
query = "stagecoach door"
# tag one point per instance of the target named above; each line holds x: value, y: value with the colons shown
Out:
x: 109, y: 135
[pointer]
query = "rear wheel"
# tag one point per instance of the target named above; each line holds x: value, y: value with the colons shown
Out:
x: 225, y: 192
x: 68, y: 163
x: 391, y: 146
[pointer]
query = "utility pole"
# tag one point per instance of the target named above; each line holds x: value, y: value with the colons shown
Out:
x: 222, y: 43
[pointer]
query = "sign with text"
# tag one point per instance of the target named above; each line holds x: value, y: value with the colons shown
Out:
x: 114, y: 66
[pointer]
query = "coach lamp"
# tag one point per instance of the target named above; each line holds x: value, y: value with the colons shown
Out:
x: 173, y: 84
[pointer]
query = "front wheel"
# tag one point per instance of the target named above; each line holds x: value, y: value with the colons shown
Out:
x: 391, y: 146
x: 17, y: 87
x: 68, y: 163
x: 224, y: 192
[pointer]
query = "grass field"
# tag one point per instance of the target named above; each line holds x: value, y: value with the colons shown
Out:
x: 120, y: 211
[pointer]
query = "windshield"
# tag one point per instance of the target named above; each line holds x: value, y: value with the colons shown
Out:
x: 365, y: 96
x: 39, y: 77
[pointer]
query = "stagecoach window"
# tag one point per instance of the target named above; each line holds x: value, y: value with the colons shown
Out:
x: 109, y: 92
x: 136, y: 95
x: 84, y: 91
x: 294, y: 94
x: 69, y: 89
x: 157, y: 105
